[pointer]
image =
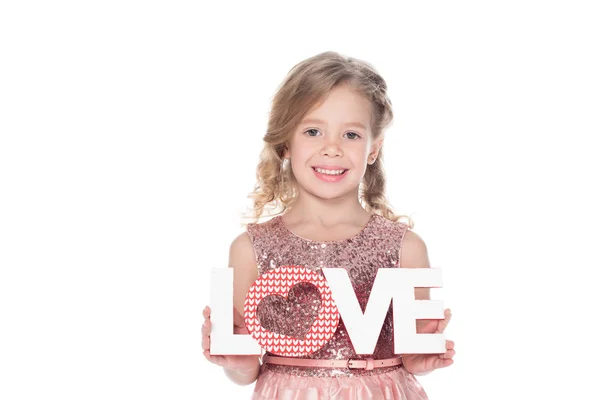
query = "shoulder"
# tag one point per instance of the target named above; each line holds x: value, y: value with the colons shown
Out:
x: 241, y: 251
x: 258, y: 230
x: 414, y: 251
x: 242, y: 243
x: 413, y: 254
x: 243, y: 262
x: 412, y: 247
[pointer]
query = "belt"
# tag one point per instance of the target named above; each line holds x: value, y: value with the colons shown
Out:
x: 367, y: 363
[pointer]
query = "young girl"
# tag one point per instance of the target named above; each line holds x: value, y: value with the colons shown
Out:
x: 321, y: 171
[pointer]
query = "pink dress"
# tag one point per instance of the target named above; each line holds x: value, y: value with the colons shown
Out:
x: 377, y: 245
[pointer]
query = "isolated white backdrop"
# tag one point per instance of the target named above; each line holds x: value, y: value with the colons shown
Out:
x: 130, y: 132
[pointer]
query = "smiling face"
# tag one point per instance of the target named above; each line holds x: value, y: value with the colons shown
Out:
x: 330, y: 149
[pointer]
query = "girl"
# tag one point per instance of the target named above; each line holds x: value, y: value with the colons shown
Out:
x: 321, y: 173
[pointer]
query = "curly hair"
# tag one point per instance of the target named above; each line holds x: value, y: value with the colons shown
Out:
x: 305, y: 85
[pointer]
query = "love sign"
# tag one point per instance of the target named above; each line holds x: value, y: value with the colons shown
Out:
x: 278, y: 292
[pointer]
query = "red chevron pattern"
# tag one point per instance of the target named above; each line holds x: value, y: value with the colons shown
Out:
x: 279, y: 281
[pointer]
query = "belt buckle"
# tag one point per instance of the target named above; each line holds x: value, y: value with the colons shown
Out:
x: 366, y: 364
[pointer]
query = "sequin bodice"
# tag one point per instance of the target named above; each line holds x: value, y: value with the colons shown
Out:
x: 377, y: 245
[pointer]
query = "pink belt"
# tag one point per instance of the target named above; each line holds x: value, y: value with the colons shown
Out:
x: 367, y: 363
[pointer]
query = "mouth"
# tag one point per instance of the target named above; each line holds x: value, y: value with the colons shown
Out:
x: 329, y: 171
x: 330, y: 175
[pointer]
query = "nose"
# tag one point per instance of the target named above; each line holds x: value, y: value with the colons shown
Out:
x: 331, y: 148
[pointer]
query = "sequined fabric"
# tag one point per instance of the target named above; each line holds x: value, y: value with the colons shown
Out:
x: 377, y: 245
x: 293, y: 316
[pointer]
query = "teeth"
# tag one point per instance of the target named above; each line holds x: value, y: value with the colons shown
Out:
x: 330, y: 171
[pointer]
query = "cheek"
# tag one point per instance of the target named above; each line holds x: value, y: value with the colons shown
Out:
x: 359, y: 154
x: 299, y: 163
x: 301, y: 154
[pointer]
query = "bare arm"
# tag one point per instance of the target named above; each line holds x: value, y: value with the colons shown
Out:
x: 243, y: 261
x: 414, y: 255
x: 241, y: 369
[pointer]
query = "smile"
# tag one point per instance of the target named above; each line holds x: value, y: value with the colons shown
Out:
x: 330, y: 175
x: 329, y: 171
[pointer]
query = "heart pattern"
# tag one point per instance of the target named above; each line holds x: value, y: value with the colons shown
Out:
x: 283, y: 288
x: 292, y: 316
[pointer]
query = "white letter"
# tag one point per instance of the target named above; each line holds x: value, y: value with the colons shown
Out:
x: 407, y: 310
x: 222, y: 339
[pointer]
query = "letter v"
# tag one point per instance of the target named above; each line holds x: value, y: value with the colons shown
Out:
x: 363, y: 329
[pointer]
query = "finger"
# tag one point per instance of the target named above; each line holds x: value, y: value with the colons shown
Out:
x: 206, y: 337
x: 444, y: 322
x: 219, y: 360
x: 205, y: 342
x: 442, y: 363
x: 449, y: 354
x: 206, y: 312
x: 429, y: 327
x: 206, y: 326
x: 449, y: 346
x: 212, y: 358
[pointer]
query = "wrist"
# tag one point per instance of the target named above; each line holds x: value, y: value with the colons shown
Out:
x: 415, y: 373
x: 242, y: 376
x: 422, y: 373
x: 246, y: 371
x: 243, y: 371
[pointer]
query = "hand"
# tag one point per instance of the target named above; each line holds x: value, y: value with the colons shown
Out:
x: 233, y: 362
x: 420, y: 364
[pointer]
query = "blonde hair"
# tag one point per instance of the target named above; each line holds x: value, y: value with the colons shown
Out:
x: 305, y: 85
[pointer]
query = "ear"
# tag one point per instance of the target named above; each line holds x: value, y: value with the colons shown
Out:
x: 375, y: 147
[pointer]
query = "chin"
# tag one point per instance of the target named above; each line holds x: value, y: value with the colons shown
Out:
x: 330, y: 194
x: 327, y: 190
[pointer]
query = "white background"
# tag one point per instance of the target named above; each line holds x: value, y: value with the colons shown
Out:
x: 130, y: 132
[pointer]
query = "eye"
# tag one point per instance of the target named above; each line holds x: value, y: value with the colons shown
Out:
x: 356, y: 135
x: 311, y: 130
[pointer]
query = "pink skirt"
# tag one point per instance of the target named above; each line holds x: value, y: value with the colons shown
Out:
x: 397, y: 384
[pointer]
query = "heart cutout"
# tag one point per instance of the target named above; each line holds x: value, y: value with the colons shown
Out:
x: 279, y: 283
x: 292, y: 316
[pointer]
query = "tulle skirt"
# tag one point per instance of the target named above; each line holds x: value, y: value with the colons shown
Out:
x: 397, y: 384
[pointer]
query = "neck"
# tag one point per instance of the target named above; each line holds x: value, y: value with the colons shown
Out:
x: 327, y: 212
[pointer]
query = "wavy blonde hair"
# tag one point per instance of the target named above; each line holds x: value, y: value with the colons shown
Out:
x: 305, y: 85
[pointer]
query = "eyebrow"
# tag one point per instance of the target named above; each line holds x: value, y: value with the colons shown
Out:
x: 320, y: 121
